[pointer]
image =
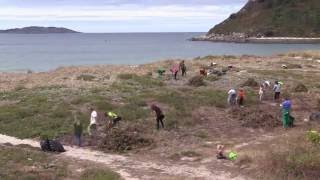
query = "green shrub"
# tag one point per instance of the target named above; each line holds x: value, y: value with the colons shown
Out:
x: 313, y: 137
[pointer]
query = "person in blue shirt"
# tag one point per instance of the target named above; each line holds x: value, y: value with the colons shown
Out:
x: 287, y: 119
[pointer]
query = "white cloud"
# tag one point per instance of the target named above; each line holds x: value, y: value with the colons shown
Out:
x: 117, y: 13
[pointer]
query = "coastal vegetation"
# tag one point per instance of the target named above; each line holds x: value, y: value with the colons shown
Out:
x: 197, y: 118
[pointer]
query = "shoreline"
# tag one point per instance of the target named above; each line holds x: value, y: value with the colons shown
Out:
x: 255, y: 40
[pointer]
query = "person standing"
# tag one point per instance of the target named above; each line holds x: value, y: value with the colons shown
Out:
x: 241, y: 97
x: 78, y: 128
x: 175, y: 70
x: 159, y: 115
x: 93, y: 121
x: 277, y: 90
x: 261, y: 93
x: 183, y: 68
x: 287, y: 120
x: 232, y: 96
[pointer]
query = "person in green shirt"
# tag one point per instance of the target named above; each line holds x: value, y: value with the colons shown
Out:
x: 160, y: 72
x: 78, y: 129
x: 114, y: 118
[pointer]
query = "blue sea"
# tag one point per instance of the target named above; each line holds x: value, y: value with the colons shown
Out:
x: 43, y: 52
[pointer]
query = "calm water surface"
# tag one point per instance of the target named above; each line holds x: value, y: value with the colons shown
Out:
x: 20, y: 52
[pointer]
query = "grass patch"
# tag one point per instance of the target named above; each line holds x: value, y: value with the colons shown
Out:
x: 98, y: 174
x: 144, y: 81
x: 211, y: 78
x: 86, y: 77
x: 17, y: 163
x: 37, y: 112
x: 300, y: 161
x: 278, y: 73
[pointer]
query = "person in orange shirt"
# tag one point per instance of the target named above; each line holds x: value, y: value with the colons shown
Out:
x: 241, y: 97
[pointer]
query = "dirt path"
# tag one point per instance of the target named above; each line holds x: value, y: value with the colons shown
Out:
x: 132, y: 169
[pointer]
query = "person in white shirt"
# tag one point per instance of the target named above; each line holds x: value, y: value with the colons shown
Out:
x: 261, y: 92
x: 277, y: 90
x: 93, y: 121
x: 232, y: 95
x: 266, y: 84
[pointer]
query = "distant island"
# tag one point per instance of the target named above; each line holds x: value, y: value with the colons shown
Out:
x: 38, y: 30
x: 270, y: 21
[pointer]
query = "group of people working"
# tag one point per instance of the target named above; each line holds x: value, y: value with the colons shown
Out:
x: 239, y: 98
x: 174, y: 70
x: 234, y: 98
x: 113, y: 119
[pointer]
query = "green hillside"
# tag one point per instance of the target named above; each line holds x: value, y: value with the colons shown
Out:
x: 295, y: 18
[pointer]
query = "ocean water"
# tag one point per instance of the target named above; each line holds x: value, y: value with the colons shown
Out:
x: 43, y: 52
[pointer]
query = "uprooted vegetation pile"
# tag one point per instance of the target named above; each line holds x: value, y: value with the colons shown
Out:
x: 124, y: 139
x: 258, y: 118
x: 300, y: 88
x: 250, y: 82
x: 197, y: 81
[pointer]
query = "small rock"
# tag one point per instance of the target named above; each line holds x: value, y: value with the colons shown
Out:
x: 188, y: 159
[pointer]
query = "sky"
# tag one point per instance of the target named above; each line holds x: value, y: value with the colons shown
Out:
x: 118, y: 15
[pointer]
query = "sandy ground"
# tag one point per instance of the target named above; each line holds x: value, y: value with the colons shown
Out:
x: 128, y: 167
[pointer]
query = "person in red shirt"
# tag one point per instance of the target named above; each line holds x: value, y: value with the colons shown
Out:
x: 241, y: 97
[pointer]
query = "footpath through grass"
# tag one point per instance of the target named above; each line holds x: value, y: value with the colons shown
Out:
x: 24, y: 163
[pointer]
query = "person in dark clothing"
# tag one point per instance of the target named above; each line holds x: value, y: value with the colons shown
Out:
x: 183, y: 68
x: 159, y: 115
x: 78, y: 129
x: 51, y: 146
